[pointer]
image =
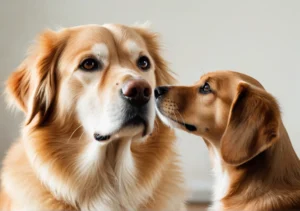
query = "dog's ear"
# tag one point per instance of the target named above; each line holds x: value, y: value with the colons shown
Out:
x: 32, y: 86
x: 163, y: 75
x: 253, y: 125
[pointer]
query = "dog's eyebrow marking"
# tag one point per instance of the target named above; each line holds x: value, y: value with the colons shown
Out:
x: 209, y: 79
x: 100, y: 50
x: 133, y: 48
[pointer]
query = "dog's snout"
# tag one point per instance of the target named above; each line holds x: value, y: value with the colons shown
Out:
x: 161, y: 90
x: 137, y: 92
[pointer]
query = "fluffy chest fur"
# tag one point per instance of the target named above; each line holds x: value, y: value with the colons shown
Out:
x: 123, y: 175
x: 105, y: 177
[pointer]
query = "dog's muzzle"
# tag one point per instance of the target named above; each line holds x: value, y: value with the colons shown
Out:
x: 136, y: 93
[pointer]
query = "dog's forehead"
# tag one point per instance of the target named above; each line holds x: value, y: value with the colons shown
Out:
x: 207, y: 78
x: 87, y: 38
x: 110, y: 38
x: 219, y: 76
x: 119, y: 32
x: 111, y: 35
x: 122, y: 33
x: 127, y: 38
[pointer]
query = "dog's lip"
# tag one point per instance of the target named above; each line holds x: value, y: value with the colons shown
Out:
x: 99, y: 137
x: 136, y: 120
x: 189, y: 127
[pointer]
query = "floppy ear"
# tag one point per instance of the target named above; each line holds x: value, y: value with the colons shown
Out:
x: 32, y: 86
x: 162, y: 73
x: 252, y: 126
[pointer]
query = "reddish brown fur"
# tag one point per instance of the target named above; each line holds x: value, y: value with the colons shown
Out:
x: 56, y: 138
x: 242, y: 123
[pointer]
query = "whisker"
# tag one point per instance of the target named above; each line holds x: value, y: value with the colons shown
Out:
x: 181, y: 117
x: 156, y: 124
x: 81, y: 135
x: 73, y: 133
x: 175, y: 115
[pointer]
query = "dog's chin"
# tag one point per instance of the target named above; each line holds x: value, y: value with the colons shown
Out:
x: 135, y: 128
x: 131, y: 123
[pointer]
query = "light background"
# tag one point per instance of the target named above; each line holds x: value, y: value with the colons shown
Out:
x: 259, y: 38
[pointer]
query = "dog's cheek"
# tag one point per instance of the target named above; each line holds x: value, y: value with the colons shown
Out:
x: 100, y: 111
x: 85, y: 109
x: 66, y: 98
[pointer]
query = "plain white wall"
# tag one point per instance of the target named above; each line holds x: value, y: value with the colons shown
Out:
x: 259, y: 38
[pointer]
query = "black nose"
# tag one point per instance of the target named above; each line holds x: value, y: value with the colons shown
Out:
x: 160, y: 90
x: 137, y: 92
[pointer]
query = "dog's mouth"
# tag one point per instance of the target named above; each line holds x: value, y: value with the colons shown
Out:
x: 137, y: 121
x: 130, y: 122
x: 189, y: 127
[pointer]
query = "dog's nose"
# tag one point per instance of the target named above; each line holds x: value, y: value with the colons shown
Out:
x: 137, y: 92
x: 161, y: 90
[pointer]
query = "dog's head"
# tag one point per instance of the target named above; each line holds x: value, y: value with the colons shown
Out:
x: 229, y: 109
x: 98, y: 77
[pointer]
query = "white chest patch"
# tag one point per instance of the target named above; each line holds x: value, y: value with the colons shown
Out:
x: 221, y: 183
x: 92, y: 157
x: 121, y: 195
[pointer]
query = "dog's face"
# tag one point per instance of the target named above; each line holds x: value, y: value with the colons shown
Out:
x: 101, y: 77
x: 230, y: 110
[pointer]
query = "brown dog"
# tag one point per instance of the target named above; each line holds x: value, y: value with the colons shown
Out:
x: 89, y: 141
x: 255, y: 165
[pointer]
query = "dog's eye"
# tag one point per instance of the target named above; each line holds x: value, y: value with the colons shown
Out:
x: 90, y: 64
x: 143, y: 63
x: 205, y: 89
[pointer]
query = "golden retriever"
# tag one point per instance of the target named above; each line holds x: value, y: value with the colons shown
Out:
x: 91, y: 140
x: 255, y: 165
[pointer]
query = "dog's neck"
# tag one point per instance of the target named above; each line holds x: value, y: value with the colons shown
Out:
x: 271, y: 173
x: 81, y: 171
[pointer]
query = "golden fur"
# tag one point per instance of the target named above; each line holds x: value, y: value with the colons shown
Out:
x: 56, y: 164
x: 255, y: 165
